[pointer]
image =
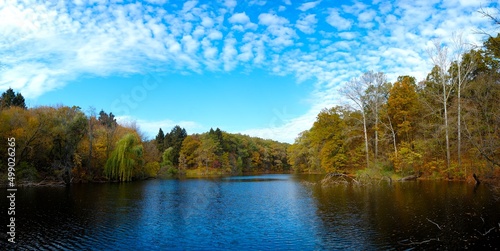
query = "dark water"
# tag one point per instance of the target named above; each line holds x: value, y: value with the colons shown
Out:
x: 268, y: 212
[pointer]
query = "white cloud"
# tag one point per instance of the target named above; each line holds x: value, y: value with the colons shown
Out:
x: 385, y: 7
x: 229, y: 53
x: 308, y: 5
x: 283, y: 133
x: 189, y: 5
x: 278, y: 30
x: 241, y: 22
x: 257, y: 2
x: 307, y: 24
x: 151, y: 127
x: 335, y: 20
x: 348, y: 35
x: 215, y: 35
x: 190, y: 45
x: 355, y: 8
x: 239, y: 18
x: 230, y: 3
x: 207, y: 22
x: 366, y: 16
x: 156, y: 1
x: 272, y: 19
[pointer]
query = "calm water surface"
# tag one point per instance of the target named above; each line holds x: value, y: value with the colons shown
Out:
x: 266, y: 212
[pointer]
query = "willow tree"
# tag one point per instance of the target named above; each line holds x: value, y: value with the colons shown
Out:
x: 124, y: 158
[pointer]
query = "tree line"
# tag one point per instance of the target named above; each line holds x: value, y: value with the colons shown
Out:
x: 219, y: 152
x: 63, y: 143
x: 447, y: 125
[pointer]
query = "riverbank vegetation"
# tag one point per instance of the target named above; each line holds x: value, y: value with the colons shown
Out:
x: 445, y: 126
x: 56, y: 144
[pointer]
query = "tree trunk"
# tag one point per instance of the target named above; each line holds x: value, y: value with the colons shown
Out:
x: 459, y: 122
x: 446, y: 130
x: 376, y: 133
x: 89, y: 164
x: 366, y: 141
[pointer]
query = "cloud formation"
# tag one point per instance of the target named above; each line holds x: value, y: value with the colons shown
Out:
x: 308, y: 5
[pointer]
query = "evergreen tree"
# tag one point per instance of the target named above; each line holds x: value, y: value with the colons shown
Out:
x: 160, y: 138
x: 107, y: 120
x: 19, y: 101
x: 9, y: 98
x: 174, y: 139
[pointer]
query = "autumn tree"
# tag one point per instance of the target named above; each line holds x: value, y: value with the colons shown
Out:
x: 328, y: 137
x: 126, y: 156
x: 375, y: 96
x: 188, y: 151
x: 440, y: 59
x: 355, y: 91
x: 207, y: 152
x: 461, y: 72
x: 69, y: 127
x: 402, y: 111
x: 151, y: 158
x: 109, y: 126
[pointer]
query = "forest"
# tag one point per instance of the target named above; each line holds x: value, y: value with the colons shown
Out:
x: 445, y: 126
x: 63, y: 144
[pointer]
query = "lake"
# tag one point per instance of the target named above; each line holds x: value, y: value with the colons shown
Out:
x: 264, y: 212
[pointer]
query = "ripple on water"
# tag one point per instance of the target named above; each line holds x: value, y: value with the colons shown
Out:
x: 272, y: 212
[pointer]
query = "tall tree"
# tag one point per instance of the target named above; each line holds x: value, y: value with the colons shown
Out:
x: 160, y: 140
x: 355, y: 90
x: 110, y: 126
x: 376, y: 95
x: 70, y: 125
x: 482, y: 114
x: 440, y: 59
x: 91, y: 125
x: 328, y: 136
x: 403, y: 107
x: 461, y: 72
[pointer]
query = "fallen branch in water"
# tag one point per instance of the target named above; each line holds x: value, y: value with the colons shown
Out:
x: 437, y: 225
x: 418, y: 243
x: 411, y: 177
x: 487, y: 232
x: 335, y: 178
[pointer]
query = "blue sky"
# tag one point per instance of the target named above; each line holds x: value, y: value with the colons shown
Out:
x: 263, y: 68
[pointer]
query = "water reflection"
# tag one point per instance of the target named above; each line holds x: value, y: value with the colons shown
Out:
x: 426, y: 215
x: 256, y: 212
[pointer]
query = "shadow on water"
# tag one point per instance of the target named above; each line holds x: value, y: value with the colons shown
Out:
x: 420, y: 214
